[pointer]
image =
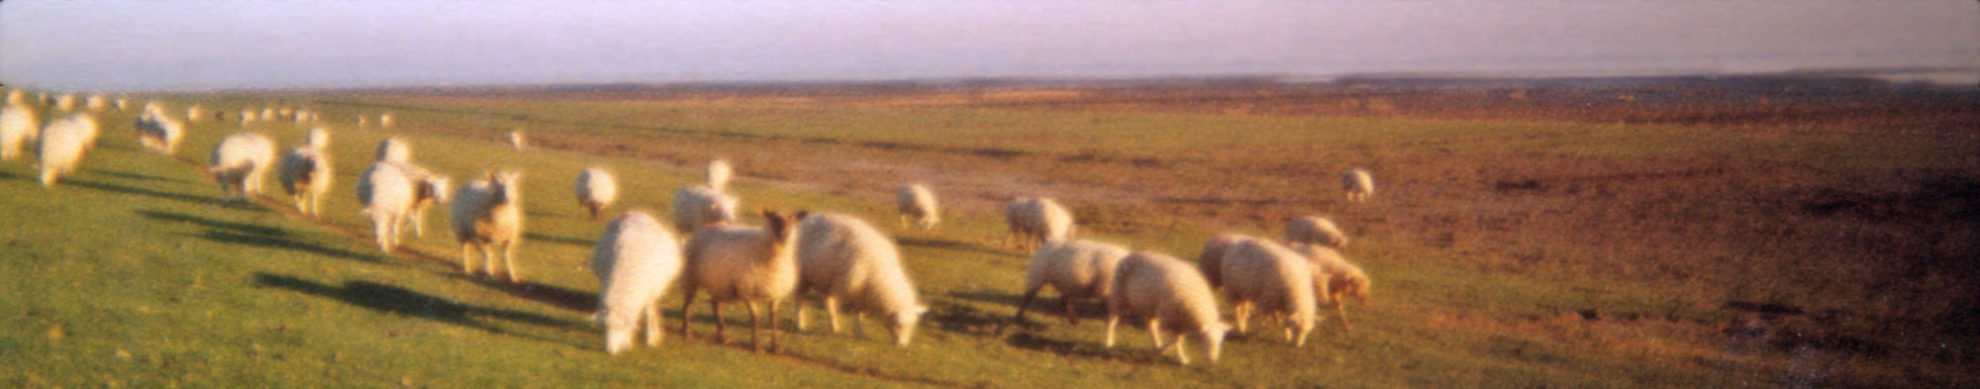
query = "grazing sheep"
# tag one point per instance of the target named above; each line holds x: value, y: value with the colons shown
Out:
x: 1316, y: 230
x: 268, y: 113
x: 387, y: 195
x: 63, y: 143
x: 1078, y: 269
x: 123, y: 103
x: 596, y: 190
x: 849, y: 262
x: 738, y: 263
x: 636, y: 260
x: 319, y: 138
x: 1169, y: 295
x: 306, y: 175
x: 1358, y: 184
x: 195, y: 113
x: 488, y: 217
x: 159, y: 133
x: 96, y: 103
x: 917, y: 203
x: 65, y: 102
x: 1262, y: 275
x: 18, y: 128
x: 239, y: 162
x: 1036, y: 220
x: 699, y: 206
x: 429, y: 188
x: 247, y: 117
x: 394, y: 150
x: 1211, y: 260
x: 385, y: 120
x: 1342, y: 278
x: 718, y: 175
x: 516, y: 140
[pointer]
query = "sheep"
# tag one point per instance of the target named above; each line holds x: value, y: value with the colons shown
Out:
x: 195, y: 113
x: 636, y: 260
x: 159, y: 133
x: 1211, y: 260
x: 385, y: 120
x: 917, y: 203
x: 306, y: 175
x: 1358, y: 184
x: 1341, y: 278
x: 1037, y: 220
x: 247, y: 117
x: 696, y: 207
x: 16, y: 97
x: 429, y: 188
x: 1168, y: 294
x: 363, y: 121
x: 65, y: 102
x: 1077, y: 269
x: 304, y: 117
x: 319, y: 138
x: 393, y: 150
x: 488, y: 217
x: 63, y: 143
x: 18, y: 128
x: 738, y: 263
x: 240, y: 160
x: 96, y: 103
x: 1261, y: 274
x: 1316, y: 230
x: 596, y: 190
x: 516, y: 140
x: 268, y: 114
x: 123, y: 103
x: 387, y: 195
x: 850, y: 263
x: 718, y: 175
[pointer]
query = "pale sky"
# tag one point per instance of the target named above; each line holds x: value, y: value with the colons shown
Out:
x: 151, y: 45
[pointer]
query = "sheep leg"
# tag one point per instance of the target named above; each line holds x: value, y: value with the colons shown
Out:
x: 716, y: 304
x: 1026, y: 303
x: 1113, y: 321
x: 1155, y: 331
x: 419, y: 225
x: 1243, y: 315
x: 753, y: 323
x: 832, y: 311
x: 509, y: 260
x: 653, y: 333
x: 467, y: 259
x: 859, y: 324
x: 1071, y: 316
x: 1341, y: 310
x: 686, y: 302
x: 774, y: 345
x: 801, y: 324
x: 1182, y: 352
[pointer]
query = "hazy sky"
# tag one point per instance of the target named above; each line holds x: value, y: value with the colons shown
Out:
x: 282, y: 44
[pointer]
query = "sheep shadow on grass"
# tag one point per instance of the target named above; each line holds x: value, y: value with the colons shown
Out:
x: 130, y: 176
x: 1047, y: 303
x: 556, y: 296
x: 255, y: 235
x: 195, y: 199
x: 949, y: 245
x: 406, y: 302
x: 558, y: 239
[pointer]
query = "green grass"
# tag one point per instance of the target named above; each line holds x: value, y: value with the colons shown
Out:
x: 136, y: 273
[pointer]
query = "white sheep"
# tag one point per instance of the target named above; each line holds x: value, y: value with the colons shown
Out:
x: 854, y: 265
x: 239, y: 162
x: 1341, y: 278
x: 718, y: 175
x: 123, y: 103
x: 1260, y: 275
x: 747, y: 264
x: 247, y: 117
x: 1036, y: 220
x: 488, y: 217
x: 1211, y: 260
x: 393, y: 150
x: 65, y: 102
x: 1169, y: 295
x: 429, y: 188
x: 387, y: 196
x: 18, y: 129
x: 1316, y: 230
x: 319, y: 138
x: 96, y: 103
x: 363, y: 121
x: 63, y: 143
x: 596, y: 190
x: 636, y: 260
x: 918, y: 203
x: 159, y: 133
x: 268, y: 114
x: 16, y: 97
x: 696, y: 207
x: 195, y: 113
x: 385, y: 120
x: 516, y: 140
x: 1358, y: 184
x: 1077, y: 269
x: 306, y: 175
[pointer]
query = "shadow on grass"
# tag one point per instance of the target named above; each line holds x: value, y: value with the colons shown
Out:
x: 276, y: 242
x: 243, y: 228
x: 131, y: 176
x: 571, y: 299
x: 195, y: 199
x: 951, y: 245
x: 1047, y: 303
x: 402, y: 301
x: 559, y: 239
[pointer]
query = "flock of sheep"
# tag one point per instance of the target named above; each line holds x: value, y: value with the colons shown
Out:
x: 842, y: 258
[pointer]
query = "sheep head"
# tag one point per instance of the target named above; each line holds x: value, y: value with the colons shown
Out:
x: 902, y: 324
x: 781, y: 225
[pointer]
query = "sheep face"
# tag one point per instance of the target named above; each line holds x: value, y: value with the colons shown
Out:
x: 903, y: 323
x: 1213, y: 340
x: 782, y: 226
x: 617, y: 338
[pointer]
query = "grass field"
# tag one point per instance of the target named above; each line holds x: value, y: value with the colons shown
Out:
x: 1506, y: 252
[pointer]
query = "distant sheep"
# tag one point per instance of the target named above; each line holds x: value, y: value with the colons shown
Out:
x: 596, y: 190
x: 195, y: 113
x: 18, y: 129
x: 699, y: 206
x: 387, y: 196
x: 393, y: 150
x: 239, y: 162
x: 1036, y: 220
x: 747, y: 264
x: 918, y: 203
x: 16, y: 97
x: 1342, y: 278
x: 123, y: 103
x: 319, y: 138
x: 1260, y: 275
x: 385, y: 120
x: 718, y: 175
x: 306, y: 175
x: 488, y: 217
x: 1358, y: 184
x: 1170, y: 296
x: 96, y: 103
x: 850, y: 263
x: 247, y: 117
x: 63, y: 143
x: 636, y: 261
x: 1211, y: 260
x: 65, y: 102
x: 1077, y: 269
x: 1316, y: 230
x: 516, y: 140
x: 363, y: 121
x: 159, y: 133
